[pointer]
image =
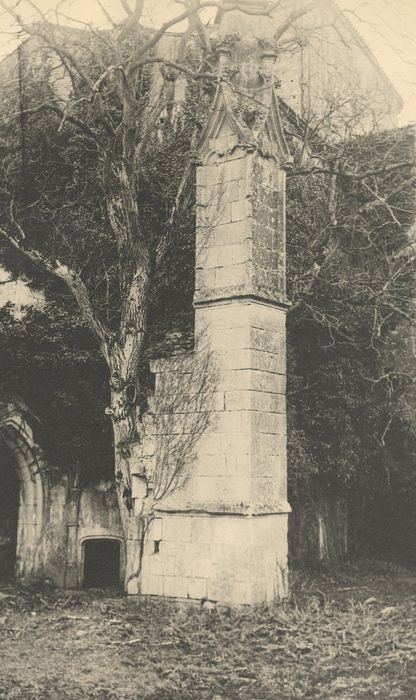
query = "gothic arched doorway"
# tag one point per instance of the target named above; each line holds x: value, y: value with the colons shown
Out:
x: 9, y: 511
x: 22, y: 455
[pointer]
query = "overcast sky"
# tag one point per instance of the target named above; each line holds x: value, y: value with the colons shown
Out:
x: 388, y: 26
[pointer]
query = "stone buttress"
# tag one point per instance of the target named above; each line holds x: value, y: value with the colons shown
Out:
x: 224, y: 536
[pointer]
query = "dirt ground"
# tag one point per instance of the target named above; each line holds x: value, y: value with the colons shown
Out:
x: 350, y: 635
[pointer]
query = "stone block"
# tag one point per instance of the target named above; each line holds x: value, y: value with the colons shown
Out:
x: 240, y: 209
x: 138, y: 487
x: 236, y: 380
x: 233, y: 422
x: 221, y: 256
x: 234, y: 169
x: 238, y: 464
x: 229, y: 314
x: 252, y: 379
x: 231, y: 233
x: 264, y: 445
x: 212, y: 175
x: 267, y: 381
x: 152, y: 585
x: 222, y: 214
x: 233, y: 275
x: 204, y: 278
x: 176, y: 528
x: 231, y: 190
x: 238, y: 400
x: 203, y: 565
x: 209, y: 444
x: 267, y: 361
x: 265, y: 422
x: 224, y: 561
x: 264, y: 489
x: 235, y: 489
x: 266, y: 401
x: 205, y: 488
x: 266, y: 465
x: 235, y: 536
x: 250, y: 400
x: 236, y: 358
x: 219, y: 401
x: 242, y: 188
x: 197, y: 588
x: 202, y: 529
x: 226, y: 340
x: 186, y: 562
x: 229, y: 592
x: 235, y: 443
x: 210, y: 465
x: 272, y: 341
x: 160, y: 565
x: 175, y: 587
x: 269, y: 318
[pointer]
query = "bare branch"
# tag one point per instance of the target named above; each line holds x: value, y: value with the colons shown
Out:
x: 72, y: 281
x: 352, y: 175
x: 49, y: 107
x: 126, y: 7
x: 44, y: 30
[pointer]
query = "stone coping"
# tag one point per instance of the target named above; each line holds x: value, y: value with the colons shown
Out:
x: 232, y: 509
x: 234, y: 295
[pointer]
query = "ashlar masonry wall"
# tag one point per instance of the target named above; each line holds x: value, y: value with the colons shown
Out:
x: 224, y: 536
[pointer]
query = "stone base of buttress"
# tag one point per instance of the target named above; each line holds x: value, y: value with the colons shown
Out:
x: 230, y: 559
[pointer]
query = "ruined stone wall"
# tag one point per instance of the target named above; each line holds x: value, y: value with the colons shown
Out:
x: 55, y: 515
x: 69, y: 518
x: 333, y: 63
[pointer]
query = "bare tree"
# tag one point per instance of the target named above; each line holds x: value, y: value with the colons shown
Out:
x: 108, y: 98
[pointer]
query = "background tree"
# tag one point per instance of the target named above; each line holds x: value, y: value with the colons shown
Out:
x: 351, y: 271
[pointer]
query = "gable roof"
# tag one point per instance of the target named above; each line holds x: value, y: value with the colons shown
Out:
x: 360, y: 41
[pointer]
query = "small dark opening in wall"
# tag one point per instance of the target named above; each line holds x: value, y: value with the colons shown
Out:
x: 156, y: 549
x: 101, y: 563
x: 9, y: 511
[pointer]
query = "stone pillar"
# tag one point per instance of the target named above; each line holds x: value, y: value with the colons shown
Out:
x: 224, y: 537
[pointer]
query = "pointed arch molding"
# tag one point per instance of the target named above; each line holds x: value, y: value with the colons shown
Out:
x: 17, y: 433
x: 225, y: 130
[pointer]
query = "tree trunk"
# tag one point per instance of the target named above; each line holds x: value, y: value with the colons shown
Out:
x: 125, y: 464
x: 124, y: 363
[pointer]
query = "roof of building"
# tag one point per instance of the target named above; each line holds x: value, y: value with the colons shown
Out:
x: 360, y: 41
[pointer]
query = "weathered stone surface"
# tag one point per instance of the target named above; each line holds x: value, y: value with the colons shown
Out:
x: 55, y: 519
x: 226, y: 532
x: 230, y: 559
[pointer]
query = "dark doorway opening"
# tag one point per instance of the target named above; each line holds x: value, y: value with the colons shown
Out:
x: 9, y: 511
x: 101, y: 563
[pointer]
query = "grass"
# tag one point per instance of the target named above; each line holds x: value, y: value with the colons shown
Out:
x: 348, y: 634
